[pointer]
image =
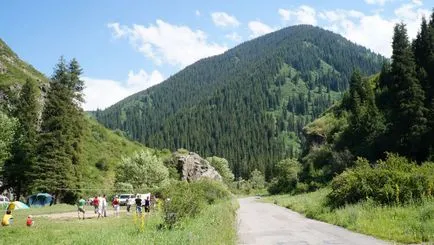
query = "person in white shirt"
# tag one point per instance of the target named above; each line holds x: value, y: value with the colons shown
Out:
x: 103, y: 206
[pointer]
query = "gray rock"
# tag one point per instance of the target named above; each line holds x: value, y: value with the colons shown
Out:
x: 195, y: 167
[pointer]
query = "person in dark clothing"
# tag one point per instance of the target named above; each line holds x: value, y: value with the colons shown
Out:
x: 147, y: 204
x: 138, y: 204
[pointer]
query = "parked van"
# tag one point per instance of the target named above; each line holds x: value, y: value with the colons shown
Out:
x: 123, y: 198
x: 143, y: 196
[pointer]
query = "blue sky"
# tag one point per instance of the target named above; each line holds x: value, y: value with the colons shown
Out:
x: 127, y: 46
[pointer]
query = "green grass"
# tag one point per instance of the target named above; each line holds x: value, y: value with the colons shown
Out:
x: 412, y: 223
x: 215, y: 225
x: 58, y: 208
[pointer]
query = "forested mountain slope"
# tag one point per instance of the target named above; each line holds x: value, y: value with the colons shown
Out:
x: 392, y: 112
x: 101, y: 150
x: 249, y: 104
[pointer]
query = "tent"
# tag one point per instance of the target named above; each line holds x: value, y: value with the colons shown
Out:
x: 40, y: 199
x: 17, y: 205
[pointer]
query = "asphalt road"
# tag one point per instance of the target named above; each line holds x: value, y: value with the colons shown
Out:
x: 265, y: 223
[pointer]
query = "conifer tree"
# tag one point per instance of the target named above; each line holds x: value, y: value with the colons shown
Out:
x: 58, y: 167
x: 366, y: 122
x: 409, y: 122
x: 17, y: 169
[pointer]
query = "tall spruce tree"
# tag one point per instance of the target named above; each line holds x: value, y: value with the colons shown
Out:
x: 58, y: 166
x: 76, y: 117
x: 17, y: 169
x: 366, y: 122
x: 408, y: 115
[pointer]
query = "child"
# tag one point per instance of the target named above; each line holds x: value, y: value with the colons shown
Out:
x: 29, y: 221
x: 7, y: 218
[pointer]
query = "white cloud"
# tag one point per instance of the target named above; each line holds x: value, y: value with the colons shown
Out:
x: 339, y: 15
x: 377, y: 2
x: 234, y: 37
x: 284, y: 14
x: 258, y: 28
x: 102, y: 93
x: 222, y: 19
x: 302, y: 15
x: 197, y: 13
x: 417, y: 2
x: 373, y: 30
x: 165, y: 43
x: 117, y: 31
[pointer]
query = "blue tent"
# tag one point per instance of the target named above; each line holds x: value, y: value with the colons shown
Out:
x: 40, y: 199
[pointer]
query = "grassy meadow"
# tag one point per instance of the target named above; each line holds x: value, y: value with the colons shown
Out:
x: 214, y: 225
x: 411, y: 223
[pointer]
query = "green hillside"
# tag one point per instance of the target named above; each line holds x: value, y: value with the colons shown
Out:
x: 249, y: 104
x: 15, y: 71
x: 102, y: 148
x: 391, y: 112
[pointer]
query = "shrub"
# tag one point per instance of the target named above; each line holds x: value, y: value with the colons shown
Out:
x: 211, y: 190
x: 185, y: 199
x: 301, y: 188
x: 142, y: 170
x: 288, y: 176
x: 393, y: 181
x: 102, y: 164
x: 181, y: 202
x: 322, y: 163
x: 257, y: 179
x: 222, y: 166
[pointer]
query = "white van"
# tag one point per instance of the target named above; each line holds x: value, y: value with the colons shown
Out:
x: 143, y: 196
x: 123, y: 199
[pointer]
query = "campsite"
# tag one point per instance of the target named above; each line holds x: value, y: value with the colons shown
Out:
x: 202, y: 122
x: 53, y: 223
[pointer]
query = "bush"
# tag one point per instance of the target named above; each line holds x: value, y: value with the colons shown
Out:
x: 102, y: 165
x: 211, y: 190
x: 393, y: 181
x: 322, y: 163
x: 183, y: 199
x: 257, y: 179
x: 142, y: 170
x: 288, y: 177
x: 222, y: 166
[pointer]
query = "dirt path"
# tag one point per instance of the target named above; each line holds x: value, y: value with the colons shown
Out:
x: 264, y: 223
x: 74, y: 215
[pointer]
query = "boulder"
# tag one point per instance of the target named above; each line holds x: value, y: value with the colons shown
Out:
x: 193, y: 167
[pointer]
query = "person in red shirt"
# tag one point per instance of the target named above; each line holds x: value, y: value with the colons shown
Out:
x: 29, y: 221
x: 96, y: 204
x: 115, y: 204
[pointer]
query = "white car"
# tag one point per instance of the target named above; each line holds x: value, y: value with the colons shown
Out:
x: 123, y: 198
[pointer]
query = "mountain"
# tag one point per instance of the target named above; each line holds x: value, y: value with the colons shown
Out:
x: 249, y: 104
x: 102, y: 148
x: 381, y: 116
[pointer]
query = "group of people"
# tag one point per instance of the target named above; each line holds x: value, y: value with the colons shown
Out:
x: 141, y: 203
x: 100, y: 205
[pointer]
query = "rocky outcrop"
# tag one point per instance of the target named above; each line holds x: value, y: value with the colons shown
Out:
x: 193, y: 167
